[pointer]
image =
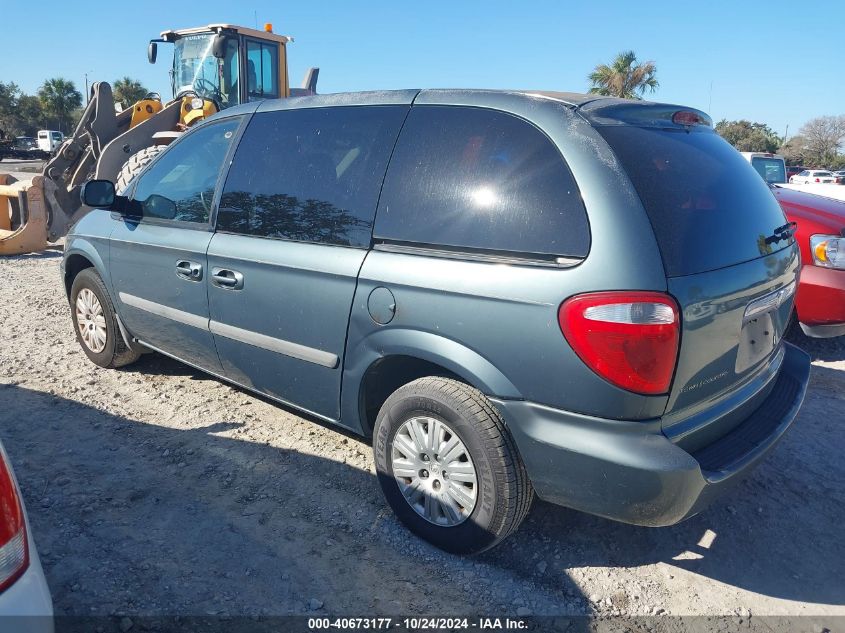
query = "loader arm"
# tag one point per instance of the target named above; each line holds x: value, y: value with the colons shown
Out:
x: 99, y: 147
x: 76, y: 159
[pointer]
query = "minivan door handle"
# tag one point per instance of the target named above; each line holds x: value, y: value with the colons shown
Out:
x: 192, y: 271
x: 228, y: 279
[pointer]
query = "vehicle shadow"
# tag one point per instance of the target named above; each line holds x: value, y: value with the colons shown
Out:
x: 155, y: 364
x: 134, y: 517
x: 131, y: 517
x: 824, y: 349
x: 52, y: 251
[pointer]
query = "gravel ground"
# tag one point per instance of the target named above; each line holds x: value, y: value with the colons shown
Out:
x: 157, y: 490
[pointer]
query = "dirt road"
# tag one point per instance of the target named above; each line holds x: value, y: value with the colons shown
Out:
x: 157, y: 490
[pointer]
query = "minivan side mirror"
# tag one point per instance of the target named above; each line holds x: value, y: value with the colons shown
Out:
x: 98, y: 193
x: 152, y: 52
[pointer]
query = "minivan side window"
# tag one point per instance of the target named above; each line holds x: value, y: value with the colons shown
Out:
x: 180, y: 184
x: 310, y: 174
x: 480, y: 179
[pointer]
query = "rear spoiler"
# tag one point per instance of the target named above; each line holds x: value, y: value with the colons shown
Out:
x: 643, y: 114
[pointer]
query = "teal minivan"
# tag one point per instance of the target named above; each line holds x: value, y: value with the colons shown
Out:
x: 511, y: 292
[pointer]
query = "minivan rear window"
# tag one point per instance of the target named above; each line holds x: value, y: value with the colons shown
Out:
x: 474, y: 179
x: 708, y: 206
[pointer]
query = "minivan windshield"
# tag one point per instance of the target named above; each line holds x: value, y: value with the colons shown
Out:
x: 771, y: 169
x: 708, y: 206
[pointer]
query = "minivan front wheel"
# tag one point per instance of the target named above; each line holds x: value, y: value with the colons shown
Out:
x: 95, y: 322
x: 449, y: 467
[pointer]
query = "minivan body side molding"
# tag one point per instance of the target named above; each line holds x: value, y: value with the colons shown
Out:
x: 167, y: 312
x: 280, y: 346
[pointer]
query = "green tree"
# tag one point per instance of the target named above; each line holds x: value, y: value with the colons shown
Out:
x: 30, y: 115
x: 625, y: 77
x: 59, y: 98
x: 748, y: 136
x: 9, y: 95
x: 127, y: 91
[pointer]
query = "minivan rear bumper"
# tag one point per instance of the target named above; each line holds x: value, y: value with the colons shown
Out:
x: 630, y: 471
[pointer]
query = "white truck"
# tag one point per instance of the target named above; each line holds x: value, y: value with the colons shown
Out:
x: 50, y: 140
x: 772, y: 167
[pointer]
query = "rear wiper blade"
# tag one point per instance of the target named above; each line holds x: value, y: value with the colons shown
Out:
x: 782, y: 233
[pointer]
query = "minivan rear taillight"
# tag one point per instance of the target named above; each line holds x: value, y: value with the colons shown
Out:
x: 628, y: 338
x: 14, y: 554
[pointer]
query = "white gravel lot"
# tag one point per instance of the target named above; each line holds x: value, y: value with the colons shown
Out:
x: 156, y: 490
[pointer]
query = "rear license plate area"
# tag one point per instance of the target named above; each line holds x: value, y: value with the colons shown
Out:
x: 758, y: 339
x: 760, y: 328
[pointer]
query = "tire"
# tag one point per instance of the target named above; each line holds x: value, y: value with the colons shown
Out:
x: 113, y: 351
x: 502, y: 491
x: 135, y: 165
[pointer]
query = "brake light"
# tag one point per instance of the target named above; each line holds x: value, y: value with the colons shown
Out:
x: 14, y: 552
x: 817, y: 180
x: 628, y: 338
x: 688, y: 117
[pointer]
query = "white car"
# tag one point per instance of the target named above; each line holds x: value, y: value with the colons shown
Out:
x: 25, y: 603
x: 812, y: 176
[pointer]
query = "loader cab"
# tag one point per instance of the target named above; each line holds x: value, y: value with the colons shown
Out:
x: 228, y: 64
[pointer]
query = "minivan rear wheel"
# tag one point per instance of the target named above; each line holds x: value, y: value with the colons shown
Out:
x: 95, y: 322
x: 449, y: 467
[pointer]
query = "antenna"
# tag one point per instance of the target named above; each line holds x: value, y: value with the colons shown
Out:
x: 255, y: 18
x: 710, y: 101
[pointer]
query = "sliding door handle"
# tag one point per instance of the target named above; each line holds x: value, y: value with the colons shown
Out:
x: 228, y: 279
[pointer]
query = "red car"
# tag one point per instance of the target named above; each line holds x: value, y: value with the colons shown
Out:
x: 820, y: 302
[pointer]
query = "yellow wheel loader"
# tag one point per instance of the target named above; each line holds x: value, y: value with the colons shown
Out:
x: 213, y: 68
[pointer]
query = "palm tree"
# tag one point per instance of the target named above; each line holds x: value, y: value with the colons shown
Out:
x: 624, y: 78
x: 127, y: 91
x: 60, y: 98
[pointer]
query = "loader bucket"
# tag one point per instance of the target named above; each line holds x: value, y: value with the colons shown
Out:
x: 23, y: 216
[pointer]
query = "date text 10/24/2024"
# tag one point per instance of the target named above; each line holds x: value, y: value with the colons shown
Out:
x: 418, y: 624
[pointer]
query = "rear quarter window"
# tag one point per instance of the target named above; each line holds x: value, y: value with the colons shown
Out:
x: 478, y: 179
x: 708, y: 206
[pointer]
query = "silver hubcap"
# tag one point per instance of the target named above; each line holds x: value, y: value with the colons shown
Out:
x: 434, y: 471
x: 90, y: 320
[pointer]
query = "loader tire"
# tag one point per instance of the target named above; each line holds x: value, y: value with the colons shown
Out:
x: 135, y: 165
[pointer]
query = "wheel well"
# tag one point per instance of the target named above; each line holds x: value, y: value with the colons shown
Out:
x: 386, y: 376
x: 74, y: 265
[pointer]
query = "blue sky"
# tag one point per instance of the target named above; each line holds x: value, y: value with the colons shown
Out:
x: 776, y: 62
